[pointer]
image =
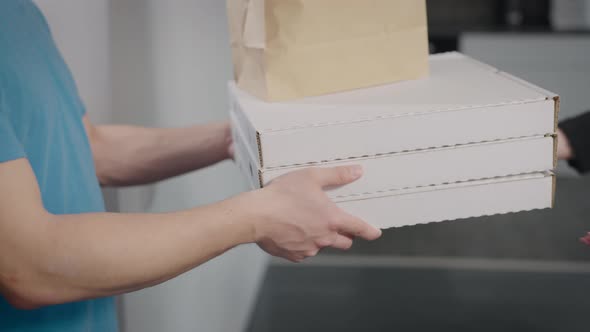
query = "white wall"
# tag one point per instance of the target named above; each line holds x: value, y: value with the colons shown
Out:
x: 164, y: 63
x: 171, y: 61
x: 81, y: 31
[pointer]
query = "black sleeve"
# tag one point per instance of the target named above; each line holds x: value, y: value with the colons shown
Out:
x: 577, y: 131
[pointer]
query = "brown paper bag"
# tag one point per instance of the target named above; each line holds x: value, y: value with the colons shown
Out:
x: 288, y: 49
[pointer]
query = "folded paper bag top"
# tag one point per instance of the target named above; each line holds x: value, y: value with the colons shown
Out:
x: 289, y: 49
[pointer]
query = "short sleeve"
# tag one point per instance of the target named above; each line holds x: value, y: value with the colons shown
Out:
x: 10, y: 146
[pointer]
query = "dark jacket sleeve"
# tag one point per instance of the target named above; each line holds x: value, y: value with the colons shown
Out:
x: 577, y: 131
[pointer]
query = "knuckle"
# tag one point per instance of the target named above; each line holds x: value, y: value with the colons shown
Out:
x: 347, y: 245
x: 299, y: 259
x: 343, y: 243
x: 359, y: 227
x: 359, y: 231
x: 323, y: 242
x: 342, y: 175
x: 312, y: 253
x: 294, y: 259
x: 334, y: 221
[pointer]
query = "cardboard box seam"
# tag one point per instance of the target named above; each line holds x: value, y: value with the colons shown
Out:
x: 261, y: 178
x: 241, y: 118
x: 390, y: 192
x: 382, y: 117
x: 261, y: 171
x: 447, y: 186
x: 386, y: 154
x: 557, y: 100
x: 259, y: 143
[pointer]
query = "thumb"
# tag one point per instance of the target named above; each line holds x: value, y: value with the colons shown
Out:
x: 337, y: 176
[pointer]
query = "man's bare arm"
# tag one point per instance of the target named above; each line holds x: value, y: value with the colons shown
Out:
x: 48, y: 259
x: 128, y: 155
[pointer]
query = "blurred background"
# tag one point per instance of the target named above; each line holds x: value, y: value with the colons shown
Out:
x: 166, y: 63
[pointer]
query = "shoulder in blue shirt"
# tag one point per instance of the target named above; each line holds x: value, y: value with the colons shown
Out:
x: 41, y: 120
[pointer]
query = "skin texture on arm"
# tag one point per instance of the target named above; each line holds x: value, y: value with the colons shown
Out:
x: 128, y: 155
x: 62, y: 258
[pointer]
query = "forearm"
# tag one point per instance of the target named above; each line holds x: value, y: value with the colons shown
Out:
x: 92, y: 255
x: 126, y: 155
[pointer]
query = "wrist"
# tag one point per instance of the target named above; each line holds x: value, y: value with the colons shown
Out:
x: 223, y: 132
x: 257, y: 213
x: 250, y: 216
x: 215, y: 140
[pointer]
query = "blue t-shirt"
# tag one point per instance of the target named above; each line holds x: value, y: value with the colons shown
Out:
x: 41, y: 120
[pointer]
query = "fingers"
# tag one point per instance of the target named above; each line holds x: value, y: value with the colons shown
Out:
x: 336, y: 176
x: 586, y: 239
x: 342, y: 242
x: 358, y: 228
x: 339, y: 241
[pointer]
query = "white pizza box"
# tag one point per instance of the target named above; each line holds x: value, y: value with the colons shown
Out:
x: 463, y: 101
x: 434, y: 203
x: 417, y: 168
x: 469, y: 199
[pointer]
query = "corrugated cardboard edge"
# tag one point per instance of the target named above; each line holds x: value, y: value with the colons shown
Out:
x: 437, y: 186
x: 390, y: 154
x: 447, y: 186
x: 259, y: 143
x: 556, y: 142
x: 260, y: 179
x: 263, y: 171
x: 245, y: 123
x: 555, y: 148
x: 244, y: 157
x: 549, y: 95
x: 433, y: 187
x: 557, y: 100
x: 409, y: 114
